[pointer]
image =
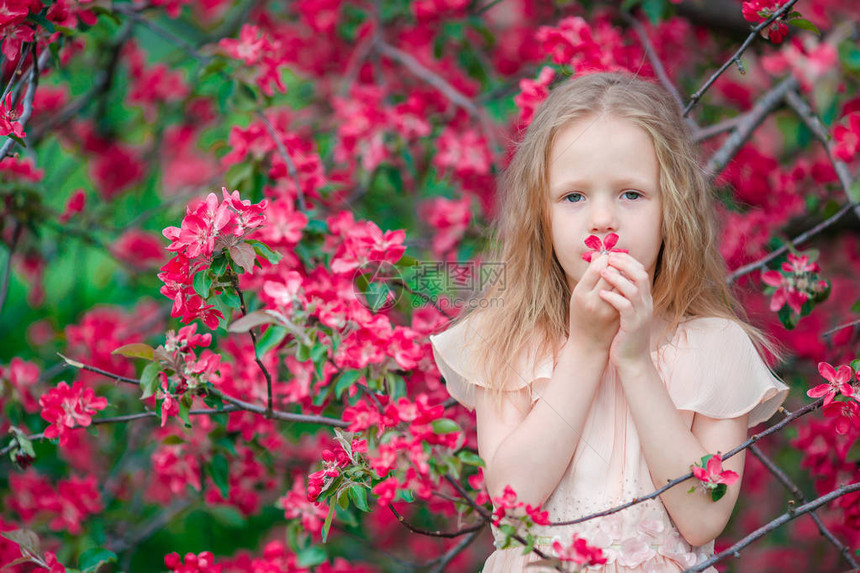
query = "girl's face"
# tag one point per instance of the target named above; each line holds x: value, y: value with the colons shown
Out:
x: 604, y: 178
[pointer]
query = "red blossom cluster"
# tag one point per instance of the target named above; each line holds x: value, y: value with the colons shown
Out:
x: 795, y: 283
x: 65, y: 408
x: 208, y: 227
x: 757, y: 11
x: 507, y: 506
x: 68, y: 505
x: 579, y: 552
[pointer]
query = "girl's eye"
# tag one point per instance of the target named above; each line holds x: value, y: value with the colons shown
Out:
x: 632, y: 195
x: 574, y: 197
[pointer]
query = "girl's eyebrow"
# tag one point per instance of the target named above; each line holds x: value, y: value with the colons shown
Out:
x: 572, y: 184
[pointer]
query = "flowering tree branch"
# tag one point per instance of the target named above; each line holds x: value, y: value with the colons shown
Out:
x: 801, y: 238
x: 30, y: 86
x: 737, y: 55
x: 798, y: 495
x: 789, y: 515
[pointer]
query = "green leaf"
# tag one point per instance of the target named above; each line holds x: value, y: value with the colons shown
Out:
x: 264, y: 251
x: 345, y: 381
x: 303, y: 353
x: 228, y: 516
x: 149, y: 380
x: 172, y: 440
x: 342, y: 498
x: 202, y: 283
x: 854, y: 191
x: 855, y: 364
x: 312, y: 556
x: 135, y: 350
x: 719, y: 492
x: 323, y: 395
x: 692, y: 489
x: 358, y: 495
x: 856, y: 307
x: 213, y: 401
x: 445, y: 426
x: 183, y: 413
x: 92, y: 558
x: 219, y: 264
x: 327, y: 523
x: 804, y: 24
x: 471, y: 458
x: 269, y: 339
x: 219, y: 469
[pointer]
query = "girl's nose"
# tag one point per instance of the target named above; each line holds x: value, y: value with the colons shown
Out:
x: 602, y: 218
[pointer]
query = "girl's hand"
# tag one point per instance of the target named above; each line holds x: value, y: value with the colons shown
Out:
x: 593, y: 321
x: 632, y: 300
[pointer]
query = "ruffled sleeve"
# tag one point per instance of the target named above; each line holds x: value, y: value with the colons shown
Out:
x: 453, y: 350
x: 713, y: 368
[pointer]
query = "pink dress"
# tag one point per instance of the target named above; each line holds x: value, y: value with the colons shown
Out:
x: 709, y: 366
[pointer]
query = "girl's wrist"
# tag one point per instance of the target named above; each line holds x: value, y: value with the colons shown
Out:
x: 633, y: 365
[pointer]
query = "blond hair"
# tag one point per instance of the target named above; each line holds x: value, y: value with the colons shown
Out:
x: 531, y: 310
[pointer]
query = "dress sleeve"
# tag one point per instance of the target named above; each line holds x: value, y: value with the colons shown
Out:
x: 715, y: 370
x: 452, y: 351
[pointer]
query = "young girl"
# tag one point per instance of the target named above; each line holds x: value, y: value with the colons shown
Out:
x: 596, y: 382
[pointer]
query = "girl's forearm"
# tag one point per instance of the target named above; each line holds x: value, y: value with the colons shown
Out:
x: 658, y: 423
x: 533, y: 458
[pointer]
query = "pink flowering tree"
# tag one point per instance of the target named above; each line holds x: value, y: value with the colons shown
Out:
x: 229, y: 227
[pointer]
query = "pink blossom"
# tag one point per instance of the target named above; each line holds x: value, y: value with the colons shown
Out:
x: 9, y: 117
x: 248, y: 48
x: 579, y: 552
x: 23, y: 377
x: 533, y: 93
x: 847, y: 415
x: 284, y: 292
x: 139, y: 249
x: 65, y: 408
x: 714, y: 474
x: 450, y: 218
x: 601, y: 246
x: 74, y: 205
x: 838, y: 381
x: 757, y: 11
x: 847, y: 138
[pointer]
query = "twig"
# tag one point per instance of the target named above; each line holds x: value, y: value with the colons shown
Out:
x: 743, y: 130
x: 486, y: 515
x: 736, y: 57
x: 447, y: 534
x: 32, y: 84
x: 798, y: 495
x: 775, y: 428
x: 706, y: 133
x: 840, y: 327
x: 276, y: 414
x: 805, y: 113
x: 270, y: 400
x: 767, y: 528
x: 291, y: 167
x: 438, y: 82
x: 805, y: 236
x: 23, y: 56
x: 161, y: 31
x: 656, y: 64
x: 445, y: 559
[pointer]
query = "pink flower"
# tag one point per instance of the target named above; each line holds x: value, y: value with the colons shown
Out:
x: 74, y: 205
x: 847, y: 138
x: 848, y: 414
x: 599, y: 247
x: 248, y: 48
x: 579, y: 552
x: 532, y: 93
x: 838, y: 381
x: 67, y: 408
x: 713, y: 474
x: 9, y: 118
x: 757, y: 11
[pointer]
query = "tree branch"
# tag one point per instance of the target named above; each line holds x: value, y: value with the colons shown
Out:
x: 736, y: 57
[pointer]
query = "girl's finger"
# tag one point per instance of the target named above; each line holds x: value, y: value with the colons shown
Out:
x: 632, y: 268
x: 620, y: 303
x: 623, y: 284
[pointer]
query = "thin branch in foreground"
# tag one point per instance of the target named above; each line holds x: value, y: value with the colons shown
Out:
x: 736, y: 57
x: 31, y: 84
x: 767, y: 528
x: 276, y: 414
x: 805, y: 113
x: 446, y: 534
x: 798, y: 495
x: 803, y: 237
